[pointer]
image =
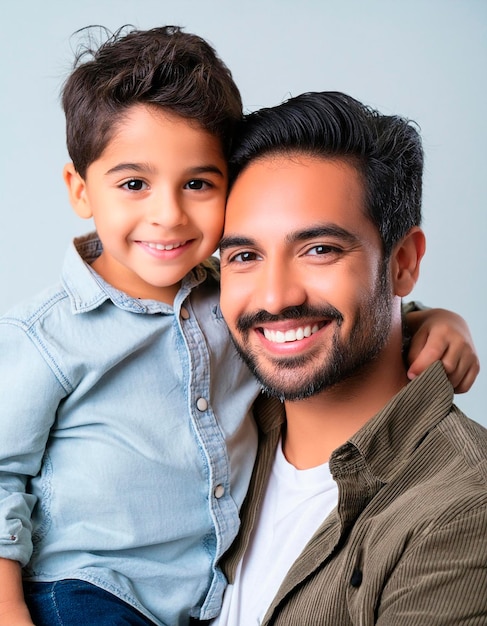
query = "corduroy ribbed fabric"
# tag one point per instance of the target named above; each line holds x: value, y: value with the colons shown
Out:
x: 407, y: 543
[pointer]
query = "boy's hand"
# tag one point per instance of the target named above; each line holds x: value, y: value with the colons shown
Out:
x: 14, y: 614
x: 13, y: 610
x: 440, y: 335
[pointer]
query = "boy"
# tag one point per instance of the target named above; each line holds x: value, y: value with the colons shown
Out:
x: 123, y: 461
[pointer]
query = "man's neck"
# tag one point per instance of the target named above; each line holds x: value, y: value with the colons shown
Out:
x: 318, y: 425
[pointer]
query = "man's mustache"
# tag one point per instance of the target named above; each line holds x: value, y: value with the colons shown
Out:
x: 250, y: 320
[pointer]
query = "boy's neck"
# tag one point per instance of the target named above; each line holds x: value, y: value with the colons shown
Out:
x: 125, y: 281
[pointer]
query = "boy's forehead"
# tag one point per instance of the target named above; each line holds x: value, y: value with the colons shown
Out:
x: 147, y: 133
x: 127, y: 120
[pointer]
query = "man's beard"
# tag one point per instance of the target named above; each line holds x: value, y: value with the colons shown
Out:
x: 345, y: 359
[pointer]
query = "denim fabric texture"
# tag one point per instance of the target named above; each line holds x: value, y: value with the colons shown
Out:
x: 76, y: 603
x: 127, y: 440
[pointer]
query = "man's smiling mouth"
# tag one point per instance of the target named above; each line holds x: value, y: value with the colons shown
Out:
x: 294, y: 334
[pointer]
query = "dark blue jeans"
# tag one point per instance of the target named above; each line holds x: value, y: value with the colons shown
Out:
x: 77, y: 603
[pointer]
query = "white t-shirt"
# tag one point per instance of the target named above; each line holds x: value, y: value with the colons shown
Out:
x: 295, y: 504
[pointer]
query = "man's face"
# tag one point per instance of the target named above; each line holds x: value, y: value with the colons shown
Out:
x: 305, y: 290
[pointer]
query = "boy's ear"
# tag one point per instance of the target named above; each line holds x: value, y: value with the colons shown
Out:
x: 405, y: 261
x: 77, y: 191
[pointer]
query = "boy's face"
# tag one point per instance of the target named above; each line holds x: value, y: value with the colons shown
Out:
x: 157, y: 196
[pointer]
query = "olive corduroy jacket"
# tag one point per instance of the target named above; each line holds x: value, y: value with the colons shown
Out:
x: 407, y: 543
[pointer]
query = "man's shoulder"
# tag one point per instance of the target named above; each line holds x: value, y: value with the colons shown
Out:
x: 445, y: 477
x: 467, y: 441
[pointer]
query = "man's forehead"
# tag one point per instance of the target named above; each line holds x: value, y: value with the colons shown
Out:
x: 298, y: 186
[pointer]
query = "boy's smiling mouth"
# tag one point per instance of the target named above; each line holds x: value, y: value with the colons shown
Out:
x: 161, y: 246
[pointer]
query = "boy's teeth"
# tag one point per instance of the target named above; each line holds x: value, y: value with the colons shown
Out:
x: 296, y: 334
x: 160, y: 246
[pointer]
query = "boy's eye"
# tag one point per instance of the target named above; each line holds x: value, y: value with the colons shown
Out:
x: 135, y: 184
x: 196, y: 185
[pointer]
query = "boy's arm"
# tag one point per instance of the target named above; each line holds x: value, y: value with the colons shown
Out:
x: 441, y: 335
x: 13, y: 610
x: 30, y: 394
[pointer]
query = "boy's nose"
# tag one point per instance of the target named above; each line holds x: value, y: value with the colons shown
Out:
x: 168, y: 211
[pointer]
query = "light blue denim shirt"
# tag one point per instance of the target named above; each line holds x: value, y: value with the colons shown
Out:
x: 126, y: 442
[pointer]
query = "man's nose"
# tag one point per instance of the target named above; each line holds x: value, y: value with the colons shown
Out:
x: 279, y: 286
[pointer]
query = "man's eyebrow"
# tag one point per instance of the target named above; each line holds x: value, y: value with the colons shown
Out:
x: 209, y: 168
x: 322, y: 230
x: 313, y: 232
x: 231, y: 241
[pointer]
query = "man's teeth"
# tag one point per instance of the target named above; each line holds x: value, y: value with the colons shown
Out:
x: 160, y: 246
x: 296, y: 334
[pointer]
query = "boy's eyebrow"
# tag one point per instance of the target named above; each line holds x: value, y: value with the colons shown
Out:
x: 202, y: 169
x: 144, y: 167
x: 133, y: 167
x: 328, y: 230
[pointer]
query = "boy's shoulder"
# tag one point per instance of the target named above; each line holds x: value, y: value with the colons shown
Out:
x: 204, y: 284
x: 55, y: 296
x: 212, y: 267
x: 28, y: 312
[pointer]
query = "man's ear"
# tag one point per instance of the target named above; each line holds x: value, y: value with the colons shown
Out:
x: 77, y: 191
x: 405, y: 261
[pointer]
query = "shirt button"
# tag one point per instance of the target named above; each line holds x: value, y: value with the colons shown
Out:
x: 184, y: 313
x: 201, y: 404
x: 219, y: 491
x: 356, y: 579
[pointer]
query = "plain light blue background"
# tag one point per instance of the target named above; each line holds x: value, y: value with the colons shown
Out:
x: 425, y: 59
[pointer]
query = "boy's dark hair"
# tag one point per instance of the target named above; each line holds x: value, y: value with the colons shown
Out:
x: 163, y: 66
x: 386, y: 150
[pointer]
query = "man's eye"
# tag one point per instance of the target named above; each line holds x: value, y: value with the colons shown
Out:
x: 322, y: 250
x: 243, y: 257
x: 135, y: 185
x: 196, y: 185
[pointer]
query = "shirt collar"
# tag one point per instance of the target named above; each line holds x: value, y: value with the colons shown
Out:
x: 387, y: 441
x: 389, y: 438
x: 88, y: 291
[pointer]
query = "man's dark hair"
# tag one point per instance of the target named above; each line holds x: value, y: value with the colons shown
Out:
x: 164, y: 67
x: 385, y: 149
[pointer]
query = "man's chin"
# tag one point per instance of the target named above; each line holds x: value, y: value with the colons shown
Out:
x: 288, y: 385
x: 288, y: 395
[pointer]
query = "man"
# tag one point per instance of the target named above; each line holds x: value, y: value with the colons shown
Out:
x: 368, y: 503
